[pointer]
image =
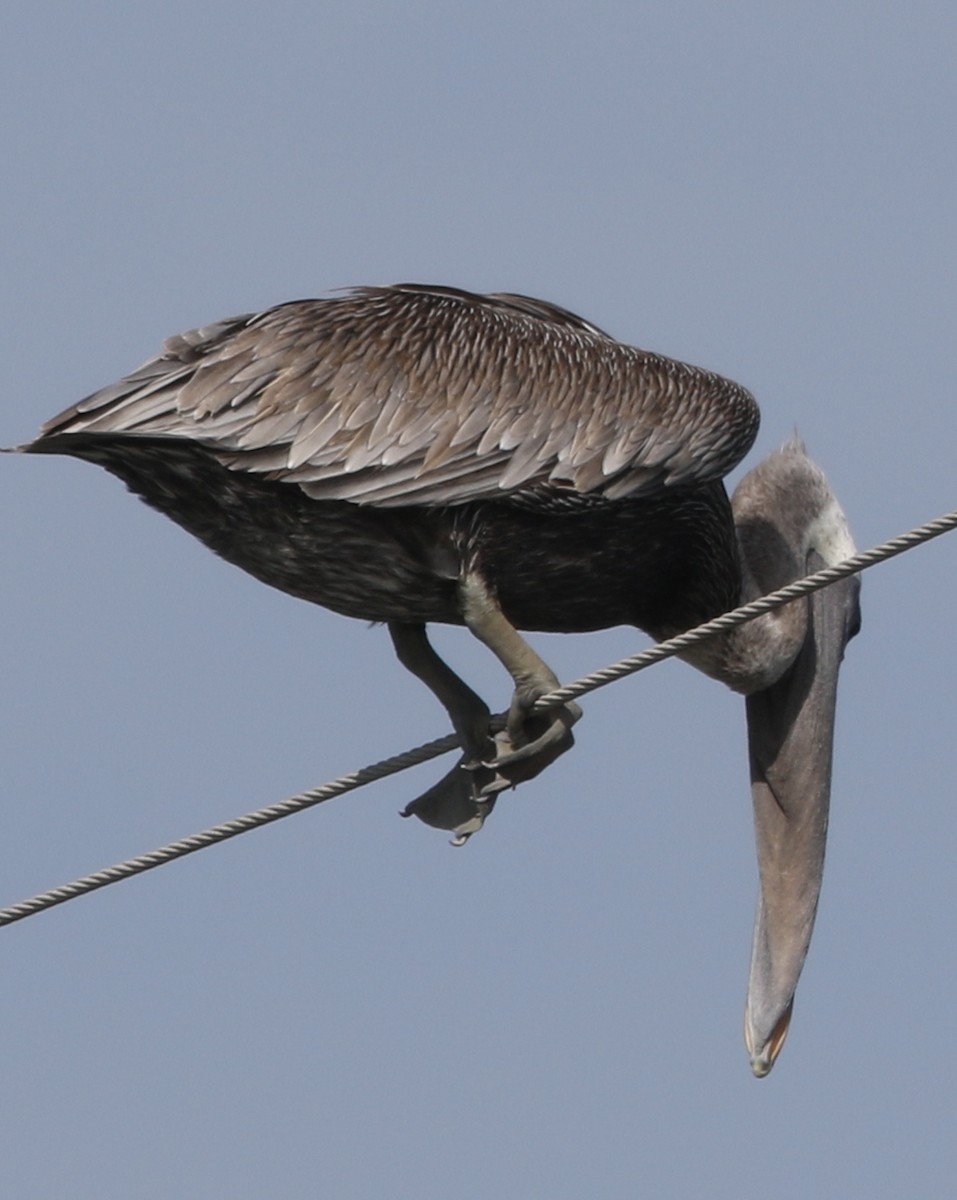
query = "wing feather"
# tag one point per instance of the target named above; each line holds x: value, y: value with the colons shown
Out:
x: 419, y: 395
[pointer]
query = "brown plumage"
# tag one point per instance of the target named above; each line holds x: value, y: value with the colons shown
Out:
x: 414, y: 454
x: 409, y: 395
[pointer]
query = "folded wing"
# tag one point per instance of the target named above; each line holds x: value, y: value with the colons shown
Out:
x: 419, y: 395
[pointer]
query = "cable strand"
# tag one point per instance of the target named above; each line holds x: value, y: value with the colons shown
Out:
x: 420, y: 754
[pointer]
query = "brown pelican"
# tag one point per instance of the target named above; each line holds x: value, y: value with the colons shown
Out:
x: 412, y: 454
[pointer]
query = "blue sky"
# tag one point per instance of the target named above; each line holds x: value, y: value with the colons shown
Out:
x: 340, y: 1005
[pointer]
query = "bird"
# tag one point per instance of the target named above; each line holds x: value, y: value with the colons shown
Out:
x: 416, y: 454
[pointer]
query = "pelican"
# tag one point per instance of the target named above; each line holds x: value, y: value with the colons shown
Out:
x: 417, y: 454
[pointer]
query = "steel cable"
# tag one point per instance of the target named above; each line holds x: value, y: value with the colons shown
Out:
x: 421, y: 754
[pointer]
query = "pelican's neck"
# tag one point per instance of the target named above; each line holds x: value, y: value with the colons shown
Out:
x: 783, y: 510
x: 753, y: 656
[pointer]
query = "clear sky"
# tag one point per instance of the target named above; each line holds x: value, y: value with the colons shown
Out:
x: 341, y: 1005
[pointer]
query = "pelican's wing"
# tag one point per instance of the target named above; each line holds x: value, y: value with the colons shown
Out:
x: 418, y: 395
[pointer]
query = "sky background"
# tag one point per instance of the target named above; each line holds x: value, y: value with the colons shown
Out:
x: 341, y: 1005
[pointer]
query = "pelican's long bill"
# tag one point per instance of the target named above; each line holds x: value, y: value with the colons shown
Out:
x: 790, y: 740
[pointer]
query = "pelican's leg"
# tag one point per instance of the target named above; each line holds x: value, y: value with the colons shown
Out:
x: 462, y: 799
x: 467, y: 711
x: 532, y: 741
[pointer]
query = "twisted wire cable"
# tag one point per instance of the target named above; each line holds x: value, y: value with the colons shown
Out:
x: 410, y: 758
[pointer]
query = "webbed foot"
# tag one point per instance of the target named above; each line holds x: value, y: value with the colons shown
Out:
x: 532, y: 742
x: 461, y: 800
